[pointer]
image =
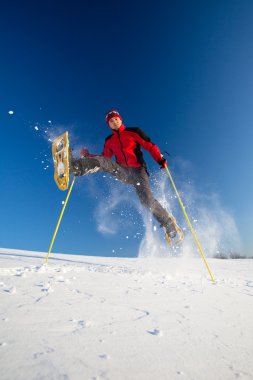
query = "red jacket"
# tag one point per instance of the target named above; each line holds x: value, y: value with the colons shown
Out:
x: 125, y: 144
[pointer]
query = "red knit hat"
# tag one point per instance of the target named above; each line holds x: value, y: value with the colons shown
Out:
x: 110, y: 114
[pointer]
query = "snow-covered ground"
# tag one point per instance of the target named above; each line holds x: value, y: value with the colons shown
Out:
x: 85, y: 317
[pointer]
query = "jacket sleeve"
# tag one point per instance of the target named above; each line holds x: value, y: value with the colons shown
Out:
x: 147, y: 144
x: 107, y: 152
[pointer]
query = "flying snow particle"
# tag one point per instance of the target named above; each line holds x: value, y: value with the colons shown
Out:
x: 36, y: 128
x: 11, y: 112
x: 50, y: 122
x: 127, y: 237
x: 62, y: 202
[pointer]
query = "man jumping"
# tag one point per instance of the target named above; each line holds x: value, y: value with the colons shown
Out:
x: 130, y: 168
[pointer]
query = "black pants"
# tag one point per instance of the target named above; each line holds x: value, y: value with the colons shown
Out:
x: 137, y: 177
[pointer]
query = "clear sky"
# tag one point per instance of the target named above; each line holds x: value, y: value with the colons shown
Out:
x: 180, y: 70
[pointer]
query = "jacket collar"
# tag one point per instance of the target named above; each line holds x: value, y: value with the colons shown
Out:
x: 122, y: 127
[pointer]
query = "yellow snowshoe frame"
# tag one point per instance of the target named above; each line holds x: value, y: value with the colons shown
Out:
x: 60, y: 153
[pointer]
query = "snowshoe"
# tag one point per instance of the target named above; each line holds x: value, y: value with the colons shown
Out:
x: 172, y: 230
x: 60, y: 154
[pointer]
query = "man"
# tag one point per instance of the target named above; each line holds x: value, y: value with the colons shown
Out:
x: 130, y: 168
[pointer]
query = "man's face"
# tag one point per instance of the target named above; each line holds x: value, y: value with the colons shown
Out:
x: 115, y: 123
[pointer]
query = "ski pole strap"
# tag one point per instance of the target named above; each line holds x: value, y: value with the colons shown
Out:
x: 189, y: 224
x: 59, y: 220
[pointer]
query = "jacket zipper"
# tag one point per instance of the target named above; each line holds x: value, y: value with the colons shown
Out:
x: 122, y: 148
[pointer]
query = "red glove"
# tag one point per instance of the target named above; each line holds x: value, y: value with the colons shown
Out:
x: 163, y: 162
x: 84, y: 153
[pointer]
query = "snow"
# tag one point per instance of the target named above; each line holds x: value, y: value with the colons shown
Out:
x: 83, y: 317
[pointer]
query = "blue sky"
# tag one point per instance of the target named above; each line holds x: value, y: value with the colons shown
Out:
x: 182, y: 71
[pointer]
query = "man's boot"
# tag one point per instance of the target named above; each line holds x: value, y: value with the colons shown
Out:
x: 172, y: 230
x: 82, y: 166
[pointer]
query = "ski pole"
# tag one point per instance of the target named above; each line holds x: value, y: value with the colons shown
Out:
x: 189, y: 223
x: 59, y: 220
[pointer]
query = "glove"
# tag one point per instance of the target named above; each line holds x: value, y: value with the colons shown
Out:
x: 84, y: 153
x: 162, y: 163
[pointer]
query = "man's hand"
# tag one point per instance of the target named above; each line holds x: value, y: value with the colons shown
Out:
x: 163, y: 162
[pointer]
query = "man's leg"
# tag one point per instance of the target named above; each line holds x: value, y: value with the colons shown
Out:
x: 83, y: 166
x: 147, y: 199
x: 136, y: 176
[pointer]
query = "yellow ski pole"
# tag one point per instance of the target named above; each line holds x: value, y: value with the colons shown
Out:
x: 59, y: 220
x: 189, y: 223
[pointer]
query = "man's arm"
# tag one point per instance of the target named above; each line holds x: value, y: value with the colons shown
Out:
x: 147, y: 144
x: 107, y: 152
